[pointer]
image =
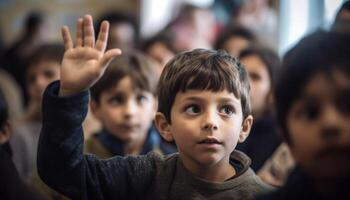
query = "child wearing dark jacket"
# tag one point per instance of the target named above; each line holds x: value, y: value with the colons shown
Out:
x: 204, y: 106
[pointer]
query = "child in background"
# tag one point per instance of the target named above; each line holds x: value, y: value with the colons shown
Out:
x: 234, y: 39
x: 124, y: 100
x: 312, y: 100
x: 160, y: 48
x: 261, y: 64
x: 12, y: 187
x: 204, y: 106
x: 43, y: 68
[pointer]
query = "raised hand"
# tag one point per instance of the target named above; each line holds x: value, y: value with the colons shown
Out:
x: 85, y: 62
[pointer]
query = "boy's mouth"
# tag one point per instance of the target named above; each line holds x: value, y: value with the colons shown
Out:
x: 210, y: 141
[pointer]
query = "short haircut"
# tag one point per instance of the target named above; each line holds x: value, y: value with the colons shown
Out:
x: 318, y: 52
x: 47, y: 52
x: 134, y: 65
x: 4, y: 115
x: 233, y: 31
x: 202, y: 69
x: 267, y: 56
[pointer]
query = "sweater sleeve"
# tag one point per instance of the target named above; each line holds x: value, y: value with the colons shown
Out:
x: 63, y: 166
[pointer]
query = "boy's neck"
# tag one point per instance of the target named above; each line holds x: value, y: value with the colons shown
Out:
x: 219, y: 173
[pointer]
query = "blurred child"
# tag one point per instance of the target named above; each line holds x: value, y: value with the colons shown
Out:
x: 43, y: 68
x: 11, y: 185
x: 124, y: 30
x: 312, y: 98
x: 124, y: 100
x: 205, y: 120
x: 160, y: 48
x: 234, y: 39
x: 261, y: 64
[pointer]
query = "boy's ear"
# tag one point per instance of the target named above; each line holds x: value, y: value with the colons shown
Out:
x: 163, y: 127
x: 246, y: 126
x: 5, y: 133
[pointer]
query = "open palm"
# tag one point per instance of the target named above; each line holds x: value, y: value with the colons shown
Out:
x: 85, y: 62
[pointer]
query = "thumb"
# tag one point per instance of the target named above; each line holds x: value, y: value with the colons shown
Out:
x: 109, y: 56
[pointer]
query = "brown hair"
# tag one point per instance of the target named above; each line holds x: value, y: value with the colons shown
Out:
x: 202, y: 69
x: 135, y: 65
x: 52, y: 52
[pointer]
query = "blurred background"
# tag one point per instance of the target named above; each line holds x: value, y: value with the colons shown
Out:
x: 279, y: 22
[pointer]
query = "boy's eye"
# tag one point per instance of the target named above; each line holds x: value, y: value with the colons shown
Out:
x: 116, y: 100
x: 227, y: 110
x: 49, y: 74
x: 192, y: 109
x: 254, y: 76
x: 310, y: 111
x: 141, y: 98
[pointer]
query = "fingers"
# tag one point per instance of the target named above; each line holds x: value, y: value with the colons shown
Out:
x: 109, y: 56
x: 101, y: 42
x: 89, y: 33
x: 67, y: 40
x: 79, y: 42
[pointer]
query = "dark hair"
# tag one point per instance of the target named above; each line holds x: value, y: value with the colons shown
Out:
x: 318, y: 52
x: 344, y: 7
x: 233, y: 31
x: 47, y: 52
x: 267, y: 56
x: 165, y: 38
x: 116, y: 17
x: 4, y: 115
x: 202, y: 70
x: 136, y: 66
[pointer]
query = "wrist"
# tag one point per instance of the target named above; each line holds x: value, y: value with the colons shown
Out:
x: 64, y: 92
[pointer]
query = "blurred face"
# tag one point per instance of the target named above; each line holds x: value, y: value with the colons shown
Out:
x: 159, y: 52
x: 126, y: 112
x: 121, y: 36
x: 39, y: 76
x: 206, y: 127
x: 319, y: 127
x: 259, y: 82
x: 235, y: 45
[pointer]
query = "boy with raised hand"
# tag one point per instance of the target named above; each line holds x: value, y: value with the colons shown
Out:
x: 204, y: 106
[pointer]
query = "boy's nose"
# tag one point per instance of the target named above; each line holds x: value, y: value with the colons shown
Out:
x: 210, y: 121
x: 130, y: 108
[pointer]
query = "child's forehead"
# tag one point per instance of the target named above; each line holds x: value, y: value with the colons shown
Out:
x: 44, y: 65
x: 125, y: 85
x: 327, y: 84
x: 193, y: 94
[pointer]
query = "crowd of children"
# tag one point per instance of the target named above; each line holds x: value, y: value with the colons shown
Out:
x: 229, y: 123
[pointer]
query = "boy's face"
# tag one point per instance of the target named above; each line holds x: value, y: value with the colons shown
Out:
x: 39, y: 76
x: 319, y: 127
x: 259, y: 79
x: 206, y: 127
x: 126, y: 112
